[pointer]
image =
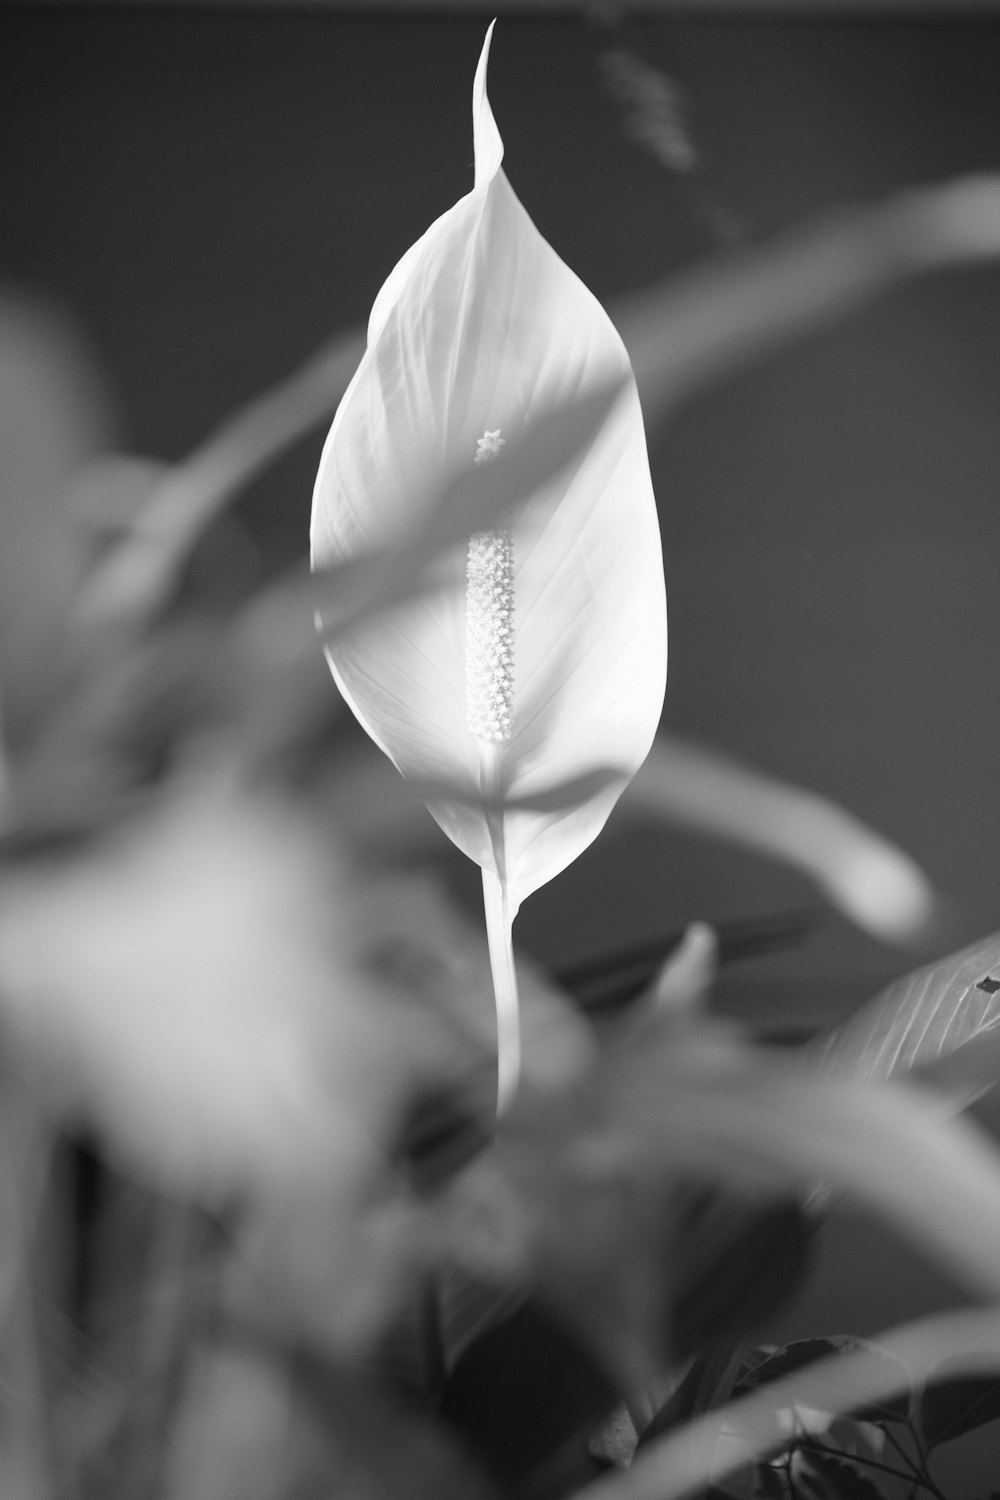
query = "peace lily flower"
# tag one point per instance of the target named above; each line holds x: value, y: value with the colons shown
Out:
x: 523, y: 692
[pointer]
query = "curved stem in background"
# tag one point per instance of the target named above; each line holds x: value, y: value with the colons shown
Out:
x: 135, y: 579
x: 733, y: 309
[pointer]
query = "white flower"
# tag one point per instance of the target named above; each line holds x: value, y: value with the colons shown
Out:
x: 526, y: 690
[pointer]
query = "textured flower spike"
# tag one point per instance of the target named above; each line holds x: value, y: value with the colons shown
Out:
x: 525, y: 690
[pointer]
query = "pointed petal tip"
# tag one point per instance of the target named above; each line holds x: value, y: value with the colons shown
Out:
x: 486, y: 136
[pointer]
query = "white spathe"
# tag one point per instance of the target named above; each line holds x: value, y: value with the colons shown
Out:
x: 479, y: 328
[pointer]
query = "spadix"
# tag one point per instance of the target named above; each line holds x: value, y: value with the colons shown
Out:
x: 523, y: 692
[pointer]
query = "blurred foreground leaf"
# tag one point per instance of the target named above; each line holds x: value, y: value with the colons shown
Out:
x: 182, y: 985
x: 583, y: 1193
x: 829, y: 1393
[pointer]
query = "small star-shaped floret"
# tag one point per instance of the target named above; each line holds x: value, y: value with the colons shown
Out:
x: 488, y: 446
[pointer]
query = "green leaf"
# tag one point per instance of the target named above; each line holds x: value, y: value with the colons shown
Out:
x: 827, y: 1395
x: 942, y: 1020
x: 950, y: 1405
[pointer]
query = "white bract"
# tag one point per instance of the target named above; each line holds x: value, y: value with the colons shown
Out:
x: 526, y: 688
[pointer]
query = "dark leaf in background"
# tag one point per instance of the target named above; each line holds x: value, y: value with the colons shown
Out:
x: 372, y: 1447
x: 949, y: 1406
x: 826, y: 1396
x: 525, y: 1397
x: 826, y: 1476
x: 733, y: 1265
x: 708, y: 1383
x: 933, y: 1020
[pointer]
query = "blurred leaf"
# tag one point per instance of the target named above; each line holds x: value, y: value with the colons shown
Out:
x: 943, y: 1020
x: 867, y: 878
x: 828, y: 1395
x: 951, y: 1404
x: 238, y: 1432
x: 582, y: 1191
x: 761, y: 1123
x: 188, y: 984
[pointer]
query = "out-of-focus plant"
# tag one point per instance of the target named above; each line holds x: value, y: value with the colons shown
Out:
x: 263, y: 1234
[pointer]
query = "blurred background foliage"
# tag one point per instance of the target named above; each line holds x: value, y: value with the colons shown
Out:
x: 211, y: 193
x: 193, y: 203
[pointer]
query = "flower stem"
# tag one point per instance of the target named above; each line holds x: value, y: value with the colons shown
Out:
x: 498, y: 931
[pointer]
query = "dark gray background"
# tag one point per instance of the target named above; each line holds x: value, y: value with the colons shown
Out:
x: 213, y: 193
